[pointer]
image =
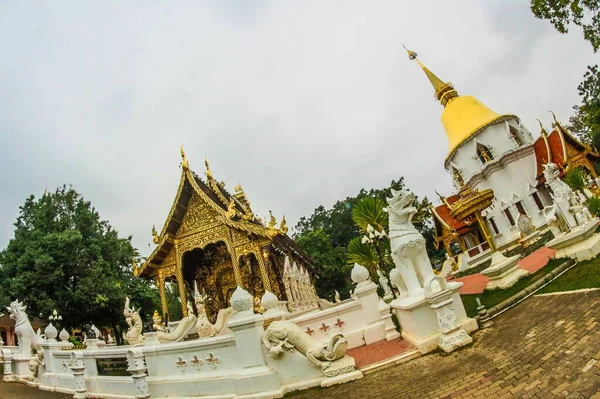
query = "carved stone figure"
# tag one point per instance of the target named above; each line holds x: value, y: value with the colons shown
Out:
x: 204, y: 327
x: 330, y: 357
x: 28, y: 339
x: 552, y: 175
x: 182, y: 329
x: 134, y: 334
x: 580, y: 212
x: 157, y: 324
x: 525, y: 226
x: 407, y: 244
x: 337, y: 297
x: 384, y: 282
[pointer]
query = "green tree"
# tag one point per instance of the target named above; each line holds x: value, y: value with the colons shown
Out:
x: 336, y: 229
x: 562, y: 13
x: 585, y: 124
x: 64, y: 257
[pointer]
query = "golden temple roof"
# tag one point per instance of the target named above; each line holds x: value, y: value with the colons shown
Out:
x: 463, y: 116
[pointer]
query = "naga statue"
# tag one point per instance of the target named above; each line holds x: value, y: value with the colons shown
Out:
x: 134, y: 334
x: 204, y: 327
x: 331, y: 357
x: 407, y: 244
x: 183, y: 328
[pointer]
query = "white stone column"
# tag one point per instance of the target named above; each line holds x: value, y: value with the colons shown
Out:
x: 452, y: 335
x: 7, y: 361
x: 137, y: 368
x: 247, y: 329
x: 366, y: 292
x: 77, y: 366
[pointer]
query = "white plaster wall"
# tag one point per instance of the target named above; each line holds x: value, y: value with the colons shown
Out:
x: 511, y: 183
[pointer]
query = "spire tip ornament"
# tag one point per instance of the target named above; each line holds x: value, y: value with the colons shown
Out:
x: 184, y: 161
x: 155, y: 237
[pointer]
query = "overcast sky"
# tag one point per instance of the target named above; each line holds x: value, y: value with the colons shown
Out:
x: 302, y: 102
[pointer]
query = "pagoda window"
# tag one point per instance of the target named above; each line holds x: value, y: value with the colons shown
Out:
x: 484, y: 154
x: 515, y: 136
x: 521, y: 208
x: 509, y: 217
x: 538, y: 201
x: 494, y: 226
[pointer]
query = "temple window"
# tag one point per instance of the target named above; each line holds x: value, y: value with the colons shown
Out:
x: 493, y: 224
x: 515, y: 136
x: 521, y: 208
x: 509, y: 217
x: 538, y: 201
x: 484, y: 154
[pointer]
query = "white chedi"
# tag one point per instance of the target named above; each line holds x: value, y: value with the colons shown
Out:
x: 51, y: 332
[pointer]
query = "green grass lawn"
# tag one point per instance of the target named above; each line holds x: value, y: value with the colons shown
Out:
x: 491, y: 298
x: 584, y: 275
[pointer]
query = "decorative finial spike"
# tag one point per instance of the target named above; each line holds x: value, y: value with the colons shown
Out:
x: 208, y: 172
x: 184, y: 162
x: 411, y: 54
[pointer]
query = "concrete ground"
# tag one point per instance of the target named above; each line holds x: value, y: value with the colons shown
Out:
x: 546, y: 347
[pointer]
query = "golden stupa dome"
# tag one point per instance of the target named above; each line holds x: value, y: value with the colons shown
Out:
x: 463, y: 116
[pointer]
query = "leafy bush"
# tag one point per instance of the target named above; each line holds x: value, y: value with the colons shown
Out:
x: 594, y: 205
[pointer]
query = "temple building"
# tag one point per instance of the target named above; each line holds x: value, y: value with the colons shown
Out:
x: 212, y: 238
x: 491, y: 151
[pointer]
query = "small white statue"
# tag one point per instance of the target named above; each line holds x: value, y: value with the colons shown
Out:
x: 579, y: 210
x: 525, y: 226
x: 336, y: 297
x: 384, y: 282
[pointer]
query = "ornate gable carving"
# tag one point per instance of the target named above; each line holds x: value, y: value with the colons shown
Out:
x: 198, y: 217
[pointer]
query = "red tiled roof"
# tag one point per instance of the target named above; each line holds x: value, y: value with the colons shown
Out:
x: 443, y: 212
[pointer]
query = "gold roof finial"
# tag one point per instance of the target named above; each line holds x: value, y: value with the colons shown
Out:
x: 135, y: 267
x: 544, y: 132
x: 556, y: 122
x: 442, y: 198
x: 208, y: 172
x: 230, y: 214
x: 444, y: 91
x: 184, y: 161
x: 283, y: 226
x: 271, y: 229
x: 155, y: 237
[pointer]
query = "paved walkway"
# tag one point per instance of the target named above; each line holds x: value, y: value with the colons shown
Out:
x: 547, y: 347
x: 475, y: 283
x: 16, y: 390
x: 367, y: 355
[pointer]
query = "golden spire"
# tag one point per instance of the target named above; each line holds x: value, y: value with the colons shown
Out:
x: 184, y: 162
x: 209, y: 175
x: 271, y: 229
x: 155, y: 237
x: 444, y: 91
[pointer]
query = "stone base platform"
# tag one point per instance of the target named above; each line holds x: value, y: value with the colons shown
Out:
x: 504, y: 272
x: 581, y: 243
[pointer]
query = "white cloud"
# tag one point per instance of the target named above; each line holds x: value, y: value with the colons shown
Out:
x: 303, y: 103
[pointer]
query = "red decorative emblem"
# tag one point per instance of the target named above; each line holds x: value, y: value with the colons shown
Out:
x: 340, y: 323
x: 324, y: 327
x: 309, y: 331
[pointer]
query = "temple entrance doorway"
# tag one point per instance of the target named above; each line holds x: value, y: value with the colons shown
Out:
x: 211, y: 268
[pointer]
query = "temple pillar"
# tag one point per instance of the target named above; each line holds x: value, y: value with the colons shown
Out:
x: 160, y: 283
x: 262, y: 266
x: 237, y: 274
x: 181, y: 283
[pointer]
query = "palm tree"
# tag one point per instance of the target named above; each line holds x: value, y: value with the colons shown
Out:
x: 364, y: 254
x: 575, y: 178
x: 369, y: 211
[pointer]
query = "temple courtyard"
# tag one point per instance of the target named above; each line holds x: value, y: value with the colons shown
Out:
x: 547, y: 346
